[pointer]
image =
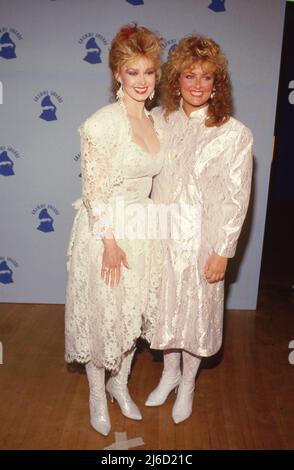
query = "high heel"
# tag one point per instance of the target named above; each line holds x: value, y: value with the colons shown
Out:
x: 166, y: 384
x: 120, y: 393
x: 183, y: 405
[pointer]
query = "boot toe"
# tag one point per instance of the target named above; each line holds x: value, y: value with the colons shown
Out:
x: 154, y: 400
x: 166, y: 385
x: 134, y: 414
x: 183, y: 406
x: 101, y: 427
x: 150, y: 400
x: 178, y: 418
x: 121, y: 394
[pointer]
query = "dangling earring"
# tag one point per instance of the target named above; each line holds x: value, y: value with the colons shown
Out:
x: 178, y: 92
x: 120, y: 92
x: 151, y: 96
x: 213, y: 94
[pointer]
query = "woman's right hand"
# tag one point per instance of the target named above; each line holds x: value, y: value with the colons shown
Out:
x: 112, y: 260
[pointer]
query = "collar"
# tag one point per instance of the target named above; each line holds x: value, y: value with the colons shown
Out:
x: 198, y: 114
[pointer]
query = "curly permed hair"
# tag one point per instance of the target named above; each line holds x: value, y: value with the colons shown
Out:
x: 190, y: 51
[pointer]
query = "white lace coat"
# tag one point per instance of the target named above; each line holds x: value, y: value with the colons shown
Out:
x: 210, y: 169
x: 103, y: 322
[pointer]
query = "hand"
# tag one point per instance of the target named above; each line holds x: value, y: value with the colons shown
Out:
x: 215, y: 268
x: 113, y: 258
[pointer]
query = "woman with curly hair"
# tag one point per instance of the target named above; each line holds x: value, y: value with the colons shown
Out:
x: 114, y: 268
x: 207, y: 175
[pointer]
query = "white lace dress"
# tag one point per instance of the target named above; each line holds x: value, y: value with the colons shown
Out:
x: 103, y: 322
x: 209, y: 169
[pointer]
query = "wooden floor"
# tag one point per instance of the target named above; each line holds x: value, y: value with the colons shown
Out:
x: 244, y: 397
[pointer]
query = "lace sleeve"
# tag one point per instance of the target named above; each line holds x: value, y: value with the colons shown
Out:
x: 237, y: 185
x: 96, y: 178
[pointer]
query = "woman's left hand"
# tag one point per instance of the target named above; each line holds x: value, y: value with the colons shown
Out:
x: 215, y: 268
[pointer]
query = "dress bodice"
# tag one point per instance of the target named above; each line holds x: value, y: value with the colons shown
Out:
x: 113, y: 165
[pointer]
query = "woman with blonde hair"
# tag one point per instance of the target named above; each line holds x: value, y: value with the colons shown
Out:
x: 113, y: 269
x: 208, y: 159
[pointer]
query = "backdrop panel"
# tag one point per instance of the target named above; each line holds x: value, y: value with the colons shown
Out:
x: 53, y: 68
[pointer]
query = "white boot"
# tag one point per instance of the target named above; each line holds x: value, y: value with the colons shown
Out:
x: 99, y: 416
x: 117, y: 388
x: 170, y: 379
x: 183, y: 405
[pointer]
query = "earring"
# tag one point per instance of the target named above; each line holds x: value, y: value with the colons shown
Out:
x: 213, y: 94
x: 120, y: 93
x: 151, y: 96
x: 178, y: 92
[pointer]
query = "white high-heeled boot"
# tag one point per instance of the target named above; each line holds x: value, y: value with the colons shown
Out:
x: 99, y: 417
x: 183, y: 405
x: 170, y: 379
x: 117, y: 388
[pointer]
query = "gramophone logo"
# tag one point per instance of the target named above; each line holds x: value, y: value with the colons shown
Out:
x: 217, y: 6
x: 135, y: 2
x: 77, y: 158
x: 172, y: 48
x: 45, y: 219
x: 48, y: 102
x: 6, y: 160
x: 8, y: 41
x: 94, y: 44
x: 6, y: 164
x: 169, y: 46
x: 6, y: 270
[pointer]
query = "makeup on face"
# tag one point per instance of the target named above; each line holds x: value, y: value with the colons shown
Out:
x: 196, y: 86
x: 138, y: 78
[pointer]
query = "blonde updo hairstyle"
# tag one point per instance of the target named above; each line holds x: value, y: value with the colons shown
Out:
x: 192, y: 51
x: 131, y: 43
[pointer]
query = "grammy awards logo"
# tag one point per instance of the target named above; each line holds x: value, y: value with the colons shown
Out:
x: 6, y: 271
x: 93, y: 55
x: 217, y: 6
x: 135, y: 2
x: 48, y: 109
x: 47, y: 102
x: 6, y: 162
x: 8, y: 38
x: 45, y: 219
x: 172, y: 48
x: 45, y: 222
x: 169, y: 46
x: 92, y: 49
